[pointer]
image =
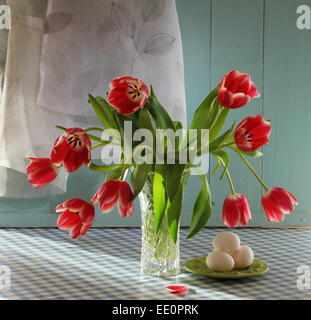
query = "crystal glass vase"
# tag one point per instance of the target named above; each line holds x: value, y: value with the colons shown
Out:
x: 159, y: 253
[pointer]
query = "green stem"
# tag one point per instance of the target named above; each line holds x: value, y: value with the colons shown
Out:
x: 124, y: 174
x: 100, y: 144
x: 228, y: 177
x: 226, y: 145
x: 94, y: 129
x: 253, y: 171
x: 230, y: 181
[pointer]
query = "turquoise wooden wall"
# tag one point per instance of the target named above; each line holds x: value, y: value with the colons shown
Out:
x: 254, y: 36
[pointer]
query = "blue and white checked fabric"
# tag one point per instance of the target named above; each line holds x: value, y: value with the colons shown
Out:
x: 105, y: 264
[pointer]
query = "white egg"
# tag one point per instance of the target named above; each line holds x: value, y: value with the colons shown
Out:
x: 226, y: 241
x: 243, y: 257
x: 220, y: 261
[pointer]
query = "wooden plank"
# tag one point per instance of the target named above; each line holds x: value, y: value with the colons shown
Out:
x: 194, y: 19
x: 287, y: 101
x: 237, y: 43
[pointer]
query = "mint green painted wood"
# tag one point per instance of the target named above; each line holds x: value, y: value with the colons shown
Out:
x: 255, y: 36
x: 287, y: 100
x: 196, y: 47
x: 237, y: 43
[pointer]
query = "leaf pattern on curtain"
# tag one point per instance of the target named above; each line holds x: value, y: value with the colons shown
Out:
x: 122, y: 20
x: 151, y: 9
x: 159, y: 44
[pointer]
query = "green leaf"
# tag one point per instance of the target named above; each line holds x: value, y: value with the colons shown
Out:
x: 206, y: 112
x: 173, y: 214
x: 177, y: 125
x: 254, y: 154
x: 221, y: 139
x: 103, y: 111
x: 101, y: 144
x: 160, y: 115
x: 173, y: 178
x: 95, y: 138
x: 139, y: 177
x: 61, y: 128
x: 159, y: 199
x: 224, y: 158
x: 144, y: 120
x: 96, y: 167
x: 117, y: 173
x: 202, y: 208
x: 218, y: 125
x: 94, y: 129
x: 216, y: 168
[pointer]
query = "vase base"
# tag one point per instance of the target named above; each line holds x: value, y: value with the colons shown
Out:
x: 160, y: 273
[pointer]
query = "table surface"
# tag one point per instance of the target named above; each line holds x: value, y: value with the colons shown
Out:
x: 105, y: 264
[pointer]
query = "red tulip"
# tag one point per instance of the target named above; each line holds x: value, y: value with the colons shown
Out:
x: 41, y: 171
x: 252, y: 133
x: 114, y: 191
x: 77, y: 216
x: 277, y: 202
x: 72, y: 149
x: 236, y: 210
x: 236, y: 90
x: 127, y: 94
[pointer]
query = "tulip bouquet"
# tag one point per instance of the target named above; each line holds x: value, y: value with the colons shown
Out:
x: 130, y: 102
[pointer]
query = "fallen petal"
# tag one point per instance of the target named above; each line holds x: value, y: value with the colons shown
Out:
x: 177, y: 289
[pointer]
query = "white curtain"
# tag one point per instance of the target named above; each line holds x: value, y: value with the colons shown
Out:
x: 58, y: 52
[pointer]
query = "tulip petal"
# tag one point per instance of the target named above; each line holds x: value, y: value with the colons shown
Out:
x: 258, y: 143
x: 85, y: 228
x: 126, y: 207
x: 262, y: 130
x: 274, y: 214
x: 230, y: 212
x: 294, y: 200
x: 240, y: 100
x: 126, y: 211
x: 253, y: 92
x: 72, y: 161
x: 67, y: 220
x: 108, y: 206
x: 230, y: 76
x: 240, y: 84
x: 59, y: 152
x: 177, y: 289
x: 41, y: 171
x: 87, y: 213
x: 60, y: 208
x: 225, y: 97
x: 281, y: 198
x: 75, y: 232
x: 74, y: 204
x: 245, y: 211
x: 245, y: 84
x: 109, y: 190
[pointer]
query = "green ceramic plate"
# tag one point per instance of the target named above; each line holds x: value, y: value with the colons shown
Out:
x: 198, y: 266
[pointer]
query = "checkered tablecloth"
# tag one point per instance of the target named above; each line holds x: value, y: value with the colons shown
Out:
x: 105, y: 264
